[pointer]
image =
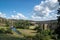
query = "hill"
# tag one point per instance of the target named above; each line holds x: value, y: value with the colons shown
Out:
x: 3, y: 21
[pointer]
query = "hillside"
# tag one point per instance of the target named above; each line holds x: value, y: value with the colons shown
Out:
x: 3, y: 21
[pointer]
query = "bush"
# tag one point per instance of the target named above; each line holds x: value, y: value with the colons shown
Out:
x: 20, y: 27
x: 9, y: 31
x: 2, y: 30
x: 6, y: 30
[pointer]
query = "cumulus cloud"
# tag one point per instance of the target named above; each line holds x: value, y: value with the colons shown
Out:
x: 13, y: 16
x: 2, y: 15
x: 46, y: 10
x: 18, y: 16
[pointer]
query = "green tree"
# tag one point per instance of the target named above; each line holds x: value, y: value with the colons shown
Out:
x: 7, y: 23
x: 22, y: 24
x: 57, y: 30
x: 44, y: 34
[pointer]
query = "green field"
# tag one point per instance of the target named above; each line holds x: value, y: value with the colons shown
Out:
x: 15, y: 36
x: 9, y: 37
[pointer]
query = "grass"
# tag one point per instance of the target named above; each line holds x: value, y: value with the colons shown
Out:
x: 27, y: 32
x: 3, y: 27
x: 15, y: 36
x: 9, y: 37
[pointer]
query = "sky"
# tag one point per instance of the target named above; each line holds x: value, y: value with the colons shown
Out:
x: 38, y: 10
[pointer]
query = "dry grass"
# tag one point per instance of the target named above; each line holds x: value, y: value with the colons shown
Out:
x: 27, y: 32
x: 24, y: 32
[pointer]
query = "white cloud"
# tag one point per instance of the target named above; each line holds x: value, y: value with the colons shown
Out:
x: 13, y: 16
x: 2, y: 15
x: 37, y: 8
x: 18, y: 16
x: 46, y: 10
x: 21, y: 15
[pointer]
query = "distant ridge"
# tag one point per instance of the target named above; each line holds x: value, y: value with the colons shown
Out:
x: 14, y: 20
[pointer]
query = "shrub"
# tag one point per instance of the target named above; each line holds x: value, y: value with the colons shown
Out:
x: 2, y: 30
x: 9, y: 31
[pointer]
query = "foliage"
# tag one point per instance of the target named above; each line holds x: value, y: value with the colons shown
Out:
x: 5, y: 31
x: 9, y: 37
x: 7, y: 23
x: 22, y: 24
x: 57, y: 30
x: 43, y: 35
x: 2, y: 30
x: 9, y: 31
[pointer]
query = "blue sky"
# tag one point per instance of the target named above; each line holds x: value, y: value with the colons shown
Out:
x: 23, y: 6
x: 27, y: 9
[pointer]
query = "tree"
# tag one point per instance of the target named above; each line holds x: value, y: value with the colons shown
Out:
x: 57, y: 30
x: 44, y: 34
x: 22, y: 24
x: 7, y: 23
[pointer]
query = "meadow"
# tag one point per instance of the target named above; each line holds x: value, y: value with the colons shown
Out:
x: 15, y: 36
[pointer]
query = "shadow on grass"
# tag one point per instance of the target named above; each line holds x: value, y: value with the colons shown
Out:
x: 9, y: 37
